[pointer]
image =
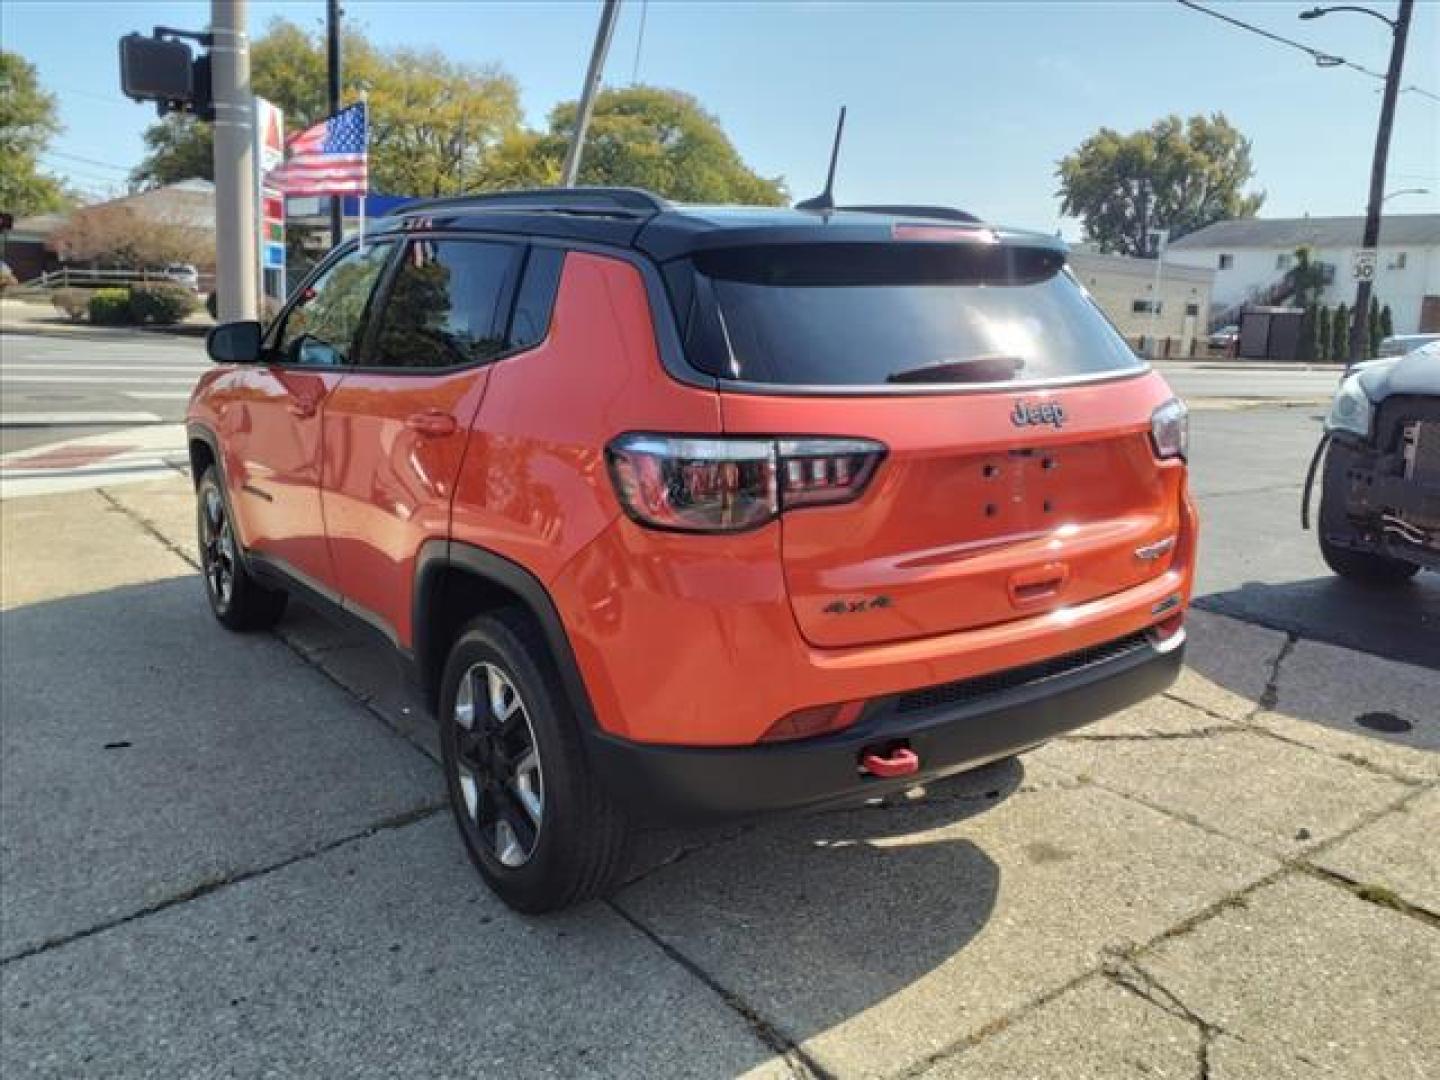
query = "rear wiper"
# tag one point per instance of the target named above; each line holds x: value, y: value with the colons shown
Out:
x: 994, y: 368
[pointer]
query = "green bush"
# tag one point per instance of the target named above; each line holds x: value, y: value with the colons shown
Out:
x: 1322, y: 329
x: 1309, y: 347
x: 111, y: 307
x: 1387, y: 323
x: 1340, y: 335
x: 160, y: 305
x: 212, y: 305
x: 74, y: 304
x: 1372, y: 327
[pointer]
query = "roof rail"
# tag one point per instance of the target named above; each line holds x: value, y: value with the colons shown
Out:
x: 943, y: 213
x: 610, y: 201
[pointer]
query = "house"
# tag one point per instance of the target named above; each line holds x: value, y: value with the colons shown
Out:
x: 26, y: 247
x: 1125, y: 289
x: 1251, y: 258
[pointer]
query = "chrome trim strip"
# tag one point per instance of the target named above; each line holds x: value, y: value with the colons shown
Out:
x: 1171, y: 643
x: 740, y: 386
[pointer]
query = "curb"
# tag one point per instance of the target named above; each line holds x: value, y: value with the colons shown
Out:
x: 84, y: 333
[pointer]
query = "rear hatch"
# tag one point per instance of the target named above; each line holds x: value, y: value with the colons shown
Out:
x: 1018, y: 476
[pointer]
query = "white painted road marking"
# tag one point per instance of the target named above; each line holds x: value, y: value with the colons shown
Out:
x: 96, y: 380
x: 61, y: 419
x: 60, y: 367
x: 158, y: 395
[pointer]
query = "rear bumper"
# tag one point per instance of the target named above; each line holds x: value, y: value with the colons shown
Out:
x: 950, y: 729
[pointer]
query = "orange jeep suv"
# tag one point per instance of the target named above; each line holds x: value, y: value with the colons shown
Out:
x: 688, y: 512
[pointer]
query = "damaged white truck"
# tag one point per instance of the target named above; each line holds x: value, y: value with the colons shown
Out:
x: 1380, y: 498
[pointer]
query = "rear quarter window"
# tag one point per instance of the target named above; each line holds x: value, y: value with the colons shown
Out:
x: 879, y: 314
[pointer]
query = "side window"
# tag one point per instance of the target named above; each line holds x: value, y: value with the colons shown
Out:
x: 324, y: 324
x: 443, y: 308
x: 536, y: 298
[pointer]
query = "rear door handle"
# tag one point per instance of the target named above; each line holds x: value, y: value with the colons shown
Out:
x: 431, y: 423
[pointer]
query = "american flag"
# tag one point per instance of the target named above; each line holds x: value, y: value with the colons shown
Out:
x: 327, y: 159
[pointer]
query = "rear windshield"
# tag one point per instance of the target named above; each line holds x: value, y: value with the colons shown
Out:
x: 872, y: 314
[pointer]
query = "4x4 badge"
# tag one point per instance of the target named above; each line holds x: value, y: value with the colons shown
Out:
x: 1046, y: 412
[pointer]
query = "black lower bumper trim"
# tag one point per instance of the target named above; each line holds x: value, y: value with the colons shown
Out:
x: 687, y: 785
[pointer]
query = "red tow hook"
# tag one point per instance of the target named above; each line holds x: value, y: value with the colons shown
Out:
x: 898, y: 761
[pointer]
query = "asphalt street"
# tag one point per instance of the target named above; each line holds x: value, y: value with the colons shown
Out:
x: 54, y: 388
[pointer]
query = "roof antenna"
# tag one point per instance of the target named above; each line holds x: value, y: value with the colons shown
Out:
x: 826, y: 200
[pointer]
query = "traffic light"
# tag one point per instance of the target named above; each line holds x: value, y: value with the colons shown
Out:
x: 162, y: 69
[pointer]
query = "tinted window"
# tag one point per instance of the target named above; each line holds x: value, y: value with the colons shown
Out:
x: 869, y: 314
x: 536, y: 298
x: 442, y: 310
x: 324, y: 324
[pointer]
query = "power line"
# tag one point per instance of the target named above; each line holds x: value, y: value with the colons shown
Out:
x: 1321, y: 58
x: 84, y: 160
x: 1324, y: 59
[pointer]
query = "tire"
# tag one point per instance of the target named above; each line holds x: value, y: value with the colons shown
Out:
x: 239, y: 601
x: 1361, y: 567
x: 535, y: 821
x: 1365, y: 568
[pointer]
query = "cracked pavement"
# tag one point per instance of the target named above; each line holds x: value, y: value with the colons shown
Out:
x: 227, y: 856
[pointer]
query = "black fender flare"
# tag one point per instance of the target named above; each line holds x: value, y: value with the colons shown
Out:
x: 439, y: 557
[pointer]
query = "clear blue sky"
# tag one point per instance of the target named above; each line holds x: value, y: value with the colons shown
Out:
x: 969, y: 104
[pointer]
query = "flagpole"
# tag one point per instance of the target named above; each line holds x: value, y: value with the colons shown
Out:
x: 365, y: 147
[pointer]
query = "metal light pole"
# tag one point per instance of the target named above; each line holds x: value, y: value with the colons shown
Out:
x: 237, y: 258
x: 1162, y: 237
x: 571, y: 170
x: 1400, y: 30
x: 332, y: 88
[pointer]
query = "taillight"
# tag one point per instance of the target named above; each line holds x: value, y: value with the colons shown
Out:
x: 694, y: 484
x: 1170, y: 430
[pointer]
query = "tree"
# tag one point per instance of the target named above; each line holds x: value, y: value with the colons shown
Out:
x: 641, y: 136
x: 113, y: 234
x: 28, y: 121
x: 1310, y: 333
x: 1178, y: 174
x: 1340, y: 334
x: 1307, y: 276
x: 177, y: 148
x: 1322, y: 348
x: 432, y: 120
x: 1372, y: 327
x: 1387, y: 323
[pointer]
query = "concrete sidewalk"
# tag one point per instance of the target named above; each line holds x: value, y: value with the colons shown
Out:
x: 229, y: 856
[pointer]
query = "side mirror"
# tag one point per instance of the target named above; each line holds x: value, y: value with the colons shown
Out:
x: 234, y: 343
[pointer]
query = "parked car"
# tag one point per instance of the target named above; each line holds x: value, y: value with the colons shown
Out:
x: 1380, y: 500
x: 1224, y: 339
x: 184, y: 274
x: 1400, y: 344
x: 695, y: 513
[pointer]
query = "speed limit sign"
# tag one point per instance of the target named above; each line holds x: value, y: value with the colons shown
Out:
x: 1363, y: 268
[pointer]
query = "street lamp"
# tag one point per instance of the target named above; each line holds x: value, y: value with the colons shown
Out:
x: 1365, y: 269
x: 1406, y: 191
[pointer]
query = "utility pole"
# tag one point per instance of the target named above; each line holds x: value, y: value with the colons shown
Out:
x: 332, y: 82
x: 1162, y: 237
x: 571, y: 170
x: 236, y: 252
x: 1399, y: 31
